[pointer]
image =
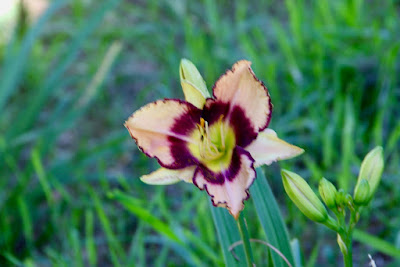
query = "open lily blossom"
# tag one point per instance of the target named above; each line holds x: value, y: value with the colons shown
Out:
x: 214, y: 142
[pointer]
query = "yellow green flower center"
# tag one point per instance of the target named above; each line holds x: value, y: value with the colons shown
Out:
x: 214, y: 144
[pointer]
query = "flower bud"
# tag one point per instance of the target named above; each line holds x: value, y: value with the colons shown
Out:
x: 193, y: 86
x: 327, y: 192
x: 303, y: 196
x: 362, y: 193
x: 371, y: 169
x: 349, y: 202
x: 340, y: 197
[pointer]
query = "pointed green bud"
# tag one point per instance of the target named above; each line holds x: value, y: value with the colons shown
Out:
x: 371, y: 169
x: 349, y: 202
x: 340, y: 197
x: 193, y: 86
x: 328, y: 193
x: 362, y: 193
x: 303, y: 196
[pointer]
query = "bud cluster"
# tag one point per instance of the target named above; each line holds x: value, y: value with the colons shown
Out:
x: 336, y: 200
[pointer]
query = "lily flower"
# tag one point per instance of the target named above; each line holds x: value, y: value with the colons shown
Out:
x: 213, y: 142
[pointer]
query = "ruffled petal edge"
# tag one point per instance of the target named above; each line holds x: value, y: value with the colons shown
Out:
x: 229, y: 189
x: 162, y: 129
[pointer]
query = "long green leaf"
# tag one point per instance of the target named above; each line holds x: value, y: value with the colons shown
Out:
x: 271, y: 219
x: 227, y: 234
x: 296, y: 252
x: 376, y: 243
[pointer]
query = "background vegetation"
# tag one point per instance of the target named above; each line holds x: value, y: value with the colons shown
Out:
x: 68, y: 82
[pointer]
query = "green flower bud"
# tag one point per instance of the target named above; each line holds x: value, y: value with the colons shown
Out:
x: 371, y: 169
x: 340, y: 197
x: 328, y: 193
x: 362, y: 193
x: 303, y: 196
x: 349, y: 201
x: 193, y: 86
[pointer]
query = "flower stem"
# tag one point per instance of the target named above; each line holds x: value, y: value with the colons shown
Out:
x: 348, y: 257
x: 246, y: 240
x: 345, y: 245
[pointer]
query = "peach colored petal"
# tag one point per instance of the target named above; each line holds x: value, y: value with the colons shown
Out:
x: 268, y: 148
x: 234, y: 190
x: 162, y: 129
x: 165, y: 176
x: 240, y: 88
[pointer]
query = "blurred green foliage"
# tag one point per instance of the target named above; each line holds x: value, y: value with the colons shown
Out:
x: 68, y: 82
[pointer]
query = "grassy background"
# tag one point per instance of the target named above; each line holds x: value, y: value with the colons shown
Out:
x: 68, y: 83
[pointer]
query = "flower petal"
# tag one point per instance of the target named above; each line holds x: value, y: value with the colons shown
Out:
x: 162, y: 130
x: 193, y: 85
x: 165, y: 176
x: 229, y: 188
x: 268, y: 148
x: 245, y: 93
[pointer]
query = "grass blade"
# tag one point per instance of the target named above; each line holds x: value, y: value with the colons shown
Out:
x: 27, y: 225
x: 90, y: 245
x: 10, y: 78
x: 42, y: 177
x: 131, y: 204
x: 203, y: 248
x: 271, y: 219
x: 76, y: 247
x: 376, y: 243
x: 115, y: 248
x: 227, y: 234
x: 52, y: 83
x: 296, y: 252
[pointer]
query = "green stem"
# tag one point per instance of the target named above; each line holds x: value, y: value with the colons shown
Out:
x: 355, y: 216
x: 345, y: 244
x: 246, y: 240
x: 331, y: 224
x: 348, y: 257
